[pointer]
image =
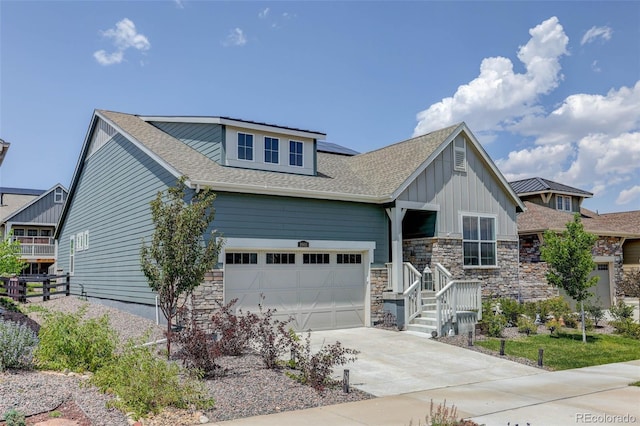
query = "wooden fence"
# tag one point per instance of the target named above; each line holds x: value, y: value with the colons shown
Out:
x: 23, y: 287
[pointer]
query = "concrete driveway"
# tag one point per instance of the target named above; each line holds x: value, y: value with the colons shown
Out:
x: 408, y: 370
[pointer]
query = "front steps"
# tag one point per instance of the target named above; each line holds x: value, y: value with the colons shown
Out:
x: 427, y: 321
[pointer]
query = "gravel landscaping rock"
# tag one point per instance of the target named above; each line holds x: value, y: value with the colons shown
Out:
x: 248, y: 389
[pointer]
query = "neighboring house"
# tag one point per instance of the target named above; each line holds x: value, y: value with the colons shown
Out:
x: 550, y: 205
x: 30, y: 217
x: 4, y: 147
x: 321, y: 231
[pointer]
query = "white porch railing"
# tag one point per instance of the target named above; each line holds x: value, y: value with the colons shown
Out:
x: 413, y: 293
x: 455, y: 297
x: 441, y: 277
x: 36, y: 246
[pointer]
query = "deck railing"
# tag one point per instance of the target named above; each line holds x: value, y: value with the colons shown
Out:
x: 36, y: 246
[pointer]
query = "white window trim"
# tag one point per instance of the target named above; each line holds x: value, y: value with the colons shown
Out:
x: 564, y: 198
x: 253, y: 139
x: 58, y: 196
x: 494, y: 241
x: 264, y: 149
x: 302, y: 154
x: 72, y: 250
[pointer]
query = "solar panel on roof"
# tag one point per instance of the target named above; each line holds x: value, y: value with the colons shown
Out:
x: 334, y: 148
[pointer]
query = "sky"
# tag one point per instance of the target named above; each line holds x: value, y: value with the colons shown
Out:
x: 550, y: 89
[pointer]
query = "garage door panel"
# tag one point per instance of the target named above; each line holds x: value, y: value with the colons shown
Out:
x: 318, y: 296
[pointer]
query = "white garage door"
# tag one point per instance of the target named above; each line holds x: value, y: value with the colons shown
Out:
x: 321, y: 290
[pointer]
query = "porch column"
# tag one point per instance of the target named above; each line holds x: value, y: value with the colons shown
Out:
x: 396, y: 214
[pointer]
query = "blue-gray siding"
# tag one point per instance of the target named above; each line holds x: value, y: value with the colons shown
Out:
x: 111, y: 201
x: 205, y: 138
x: 112, y: 198
x: 270, y: 217
x: 43, y: 211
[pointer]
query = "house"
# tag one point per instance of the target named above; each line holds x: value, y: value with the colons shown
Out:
x: 549, y: 206
x: 30, y: 217
x: 327, y: 235
x: 4, y: 147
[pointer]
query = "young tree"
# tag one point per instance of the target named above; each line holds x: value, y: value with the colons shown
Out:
x: 570, y: 262
x: 10, y: 262
x: 179, y: 254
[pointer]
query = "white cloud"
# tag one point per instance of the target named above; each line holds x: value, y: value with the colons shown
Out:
x: 105, y: 58
x: 595, y: 33
x: 236, y: 37
x: 263, y: 13
x: 628, y: 195
x: 179, y: 4
x: 124, y: 36
x: 582, y: 114
x: 595, y: 67
x: 541, y: 161
x: 498, y: 96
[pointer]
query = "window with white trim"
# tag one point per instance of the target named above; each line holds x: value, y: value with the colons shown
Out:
x: 563, y: 203
x: 245, y: 146
x: 58, y: 196
x: 80, y: 241
x: 479, y: 244
x: 295, y: 153
x: 271, y: 150
x: 72, y: 253
x: 86, y: 240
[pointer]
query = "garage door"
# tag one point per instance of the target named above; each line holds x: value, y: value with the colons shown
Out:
x: 601, y: 291
x: 321, y: 290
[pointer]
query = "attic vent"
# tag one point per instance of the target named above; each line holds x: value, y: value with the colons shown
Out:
x: 459, y: 154
x: 102, y: 133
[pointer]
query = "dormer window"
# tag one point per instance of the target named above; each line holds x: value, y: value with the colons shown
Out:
x: 271, y: 150
x: 563, y: 203
x: 295, y: 153
x: 245, y: 147
x: 58, y: 196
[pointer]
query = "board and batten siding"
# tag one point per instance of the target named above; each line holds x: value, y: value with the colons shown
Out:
x: 272, y: 217
x: 111, y: 201
x: 44, y: 211
x: 475, y: 190
x: 203, y: 137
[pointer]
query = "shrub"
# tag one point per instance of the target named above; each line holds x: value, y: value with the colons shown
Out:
x: 554, y: 327
x: 17, y: 343
x: 621, y: 311
x: 526, y: 325
x: 145, y: 383
x: 595, y: 311
x: 496, y: 324
x: 272, y: 338
x: 627, y: 328
x: 558, y: 307
x: 67, y: 342
x: 316, y: 368
x: 571, y: 320
x: 9, y: 305
x: 511, y: 309
x: 198, y: 350
x: 14, y: 418
x: 234, y: 331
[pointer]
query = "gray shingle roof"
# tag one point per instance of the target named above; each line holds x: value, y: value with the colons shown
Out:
x: 374, y: 175
x: 538, y: 184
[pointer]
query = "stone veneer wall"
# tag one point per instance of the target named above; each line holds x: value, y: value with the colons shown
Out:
x: 532, y: 270
x: 418, y: 252
x: 379, y: 277
x: 205, y: 298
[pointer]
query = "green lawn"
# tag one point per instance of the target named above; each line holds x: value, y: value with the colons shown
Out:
x: 567, y: 351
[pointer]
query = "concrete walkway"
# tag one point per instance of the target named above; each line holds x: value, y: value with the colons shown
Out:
x: 407, y: 371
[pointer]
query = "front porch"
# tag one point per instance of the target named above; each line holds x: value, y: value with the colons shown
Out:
x: 432, y: 301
